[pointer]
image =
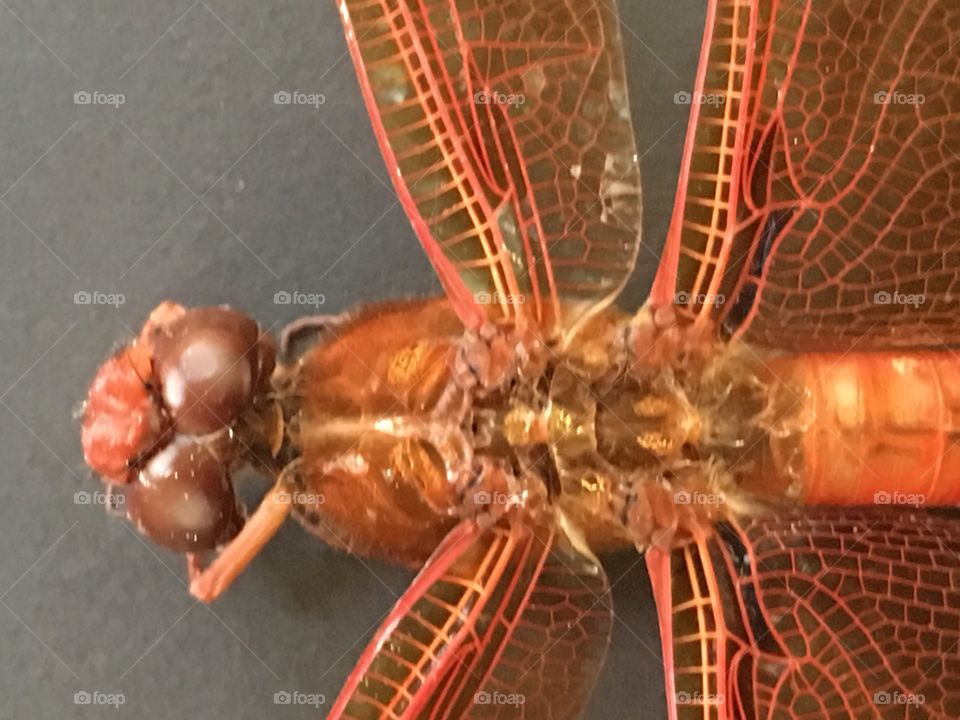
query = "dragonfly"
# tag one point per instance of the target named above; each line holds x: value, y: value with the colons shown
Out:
x: 776, y: 428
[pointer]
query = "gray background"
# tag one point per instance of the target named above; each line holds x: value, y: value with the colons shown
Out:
x: 200, y: 188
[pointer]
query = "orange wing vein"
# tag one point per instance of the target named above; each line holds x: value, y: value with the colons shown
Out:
x: 818, y: 206
x: 815, y: 613
x: 506, y: 130
x: 504, y: 621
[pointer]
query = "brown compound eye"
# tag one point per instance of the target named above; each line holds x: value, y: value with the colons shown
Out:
x: 208, y: 361
x: 183, y: 499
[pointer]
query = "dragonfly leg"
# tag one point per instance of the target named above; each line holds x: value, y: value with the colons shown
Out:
x: 206, y: 585
x: 493, y: 488
x: 486, y: 359
x: 662, y: 516
x: 654, y: 338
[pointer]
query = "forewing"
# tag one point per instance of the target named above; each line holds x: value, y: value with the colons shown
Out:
x: 819, y: 202
x: 508, y: 620
x: 506, y: 130
x: 815, y: 613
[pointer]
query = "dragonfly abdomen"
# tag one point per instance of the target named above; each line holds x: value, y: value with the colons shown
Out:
x: 870, y: 428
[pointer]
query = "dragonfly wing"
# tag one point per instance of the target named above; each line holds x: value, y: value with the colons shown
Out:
x: 506, y: 620
x: 506, y: 130
x: 815, y: 613
x: 819, y: 196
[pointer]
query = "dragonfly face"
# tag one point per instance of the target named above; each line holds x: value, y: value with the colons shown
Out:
x: 160, y: 421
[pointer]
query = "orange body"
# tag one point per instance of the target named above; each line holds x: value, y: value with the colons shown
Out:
x: 876, y: 428
x: 376, y: 422
x: 391, y: 445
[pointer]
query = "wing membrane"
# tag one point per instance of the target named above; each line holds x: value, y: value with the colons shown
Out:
x: 815, y: 613
x: 510, y: 620
x: 505, y: 127
x: 820, y: 193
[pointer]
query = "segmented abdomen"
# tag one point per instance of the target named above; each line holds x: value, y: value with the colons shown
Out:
x: 868, y: 428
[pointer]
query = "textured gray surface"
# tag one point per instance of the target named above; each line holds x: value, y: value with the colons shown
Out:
x: 198, y: 187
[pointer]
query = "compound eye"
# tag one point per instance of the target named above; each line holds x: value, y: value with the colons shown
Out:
x: 183, y: 499
x: 208, y: 362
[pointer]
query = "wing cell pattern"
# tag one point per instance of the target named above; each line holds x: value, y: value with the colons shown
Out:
x: 506, y: 128
x: 819, y: 613
x: 841, y: 222
x: 505, y: 622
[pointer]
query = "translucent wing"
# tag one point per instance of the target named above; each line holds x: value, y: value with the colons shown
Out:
x: 506, y: 129
x: 505, y: 621
x: 818, y: 204
x: 823, y: 613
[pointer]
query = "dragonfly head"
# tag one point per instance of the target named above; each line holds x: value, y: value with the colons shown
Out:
x: 162, y: 421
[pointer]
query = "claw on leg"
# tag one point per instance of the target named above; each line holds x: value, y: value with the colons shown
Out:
x: 207, y: 584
